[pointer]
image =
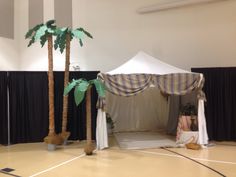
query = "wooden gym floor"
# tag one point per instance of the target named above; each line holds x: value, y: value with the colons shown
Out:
x: 31, y: 160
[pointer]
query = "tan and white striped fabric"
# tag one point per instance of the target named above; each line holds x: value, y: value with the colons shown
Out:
x: 126, y: 84
x: 177, y: 83
x: 132, y: 84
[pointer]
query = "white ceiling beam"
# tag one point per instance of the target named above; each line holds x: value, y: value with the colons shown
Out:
x: 171, y: 5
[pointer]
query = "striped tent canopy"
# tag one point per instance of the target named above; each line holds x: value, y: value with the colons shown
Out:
x: 132, y: 84
x: 144, y: 71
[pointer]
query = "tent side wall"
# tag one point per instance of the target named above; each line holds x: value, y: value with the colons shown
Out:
x: 145, y: 111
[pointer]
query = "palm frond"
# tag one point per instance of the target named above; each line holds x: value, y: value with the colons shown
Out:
x: 81, y: 42
x: 100, y: 87
x: 29, y: 33
x: 85, y: 32
x: 81, y: 86
x: 78, y: 34
x: 78, y: 95
x: 70, y: 86
x: 50, y: 23
x: 43, y: 40
x: 31, y: 42
x: 32, y: 31
x: 40, y: 32
x: 60, y: 41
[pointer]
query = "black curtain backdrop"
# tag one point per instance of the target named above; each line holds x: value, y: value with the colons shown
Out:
x: 29, y: 106
x: 3, y: 108
x: 220, y: 109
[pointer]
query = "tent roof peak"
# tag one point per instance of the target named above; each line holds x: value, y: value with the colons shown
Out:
x: 146, y: 64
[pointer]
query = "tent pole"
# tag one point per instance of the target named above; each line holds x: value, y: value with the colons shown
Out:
x: 8, y: 115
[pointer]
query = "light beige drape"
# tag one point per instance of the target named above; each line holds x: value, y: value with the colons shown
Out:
x: 145, y: 111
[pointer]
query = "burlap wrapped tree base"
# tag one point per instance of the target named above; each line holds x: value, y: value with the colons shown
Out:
x: 64, y: 136
x: 53, y: 139
x: 89, y: 148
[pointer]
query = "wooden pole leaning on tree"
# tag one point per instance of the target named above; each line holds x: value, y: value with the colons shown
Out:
x: 89, y: 145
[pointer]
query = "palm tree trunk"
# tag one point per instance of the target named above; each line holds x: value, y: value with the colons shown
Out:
x: 89, y: 147
x: 51, y: 87
x: 52, y: 137
x: 88, y: 115
x: 65, y: 134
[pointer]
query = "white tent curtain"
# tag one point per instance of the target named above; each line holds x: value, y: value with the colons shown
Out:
x: 102, y: 139
x: 101, y: 131
x: 203, y: 136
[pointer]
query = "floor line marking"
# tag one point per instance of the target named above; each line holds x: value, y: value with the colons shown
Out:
x: 158, y: 153
x: 63, y: 163
x: 196, y: 161
x: 10, y: 174
x: 207, y: 160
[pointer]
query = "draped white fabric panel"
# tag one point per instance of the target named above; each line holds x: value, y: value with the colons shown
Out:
x: 145, y: 111
x: 101, y: 131
x: 203, y: 136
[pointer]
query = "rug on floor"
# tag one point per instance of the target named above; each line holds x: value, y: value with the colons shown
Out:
x: 144, y: 140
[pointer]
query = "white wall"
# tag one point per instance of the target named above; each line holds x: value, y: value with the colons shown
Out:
x: 197, y: 36
x: 9, y: 58
x: 9, y: 48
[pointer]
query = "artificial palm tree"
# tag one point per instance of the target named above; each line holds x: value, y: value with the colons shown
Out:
x: 82, y: 86
x: 63, y: 40
x: 44, y: 33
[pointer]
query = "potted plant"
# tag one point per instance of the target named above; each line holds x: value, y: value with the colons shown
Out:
x: 188, y: 110
x: 188, y: 117
x: 110, y: 124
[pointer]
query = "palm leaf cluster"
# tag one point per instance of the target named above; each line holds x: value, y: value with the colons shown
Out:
x: 42, y: 31
x: 81, y: 86
x: 61, y: 33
